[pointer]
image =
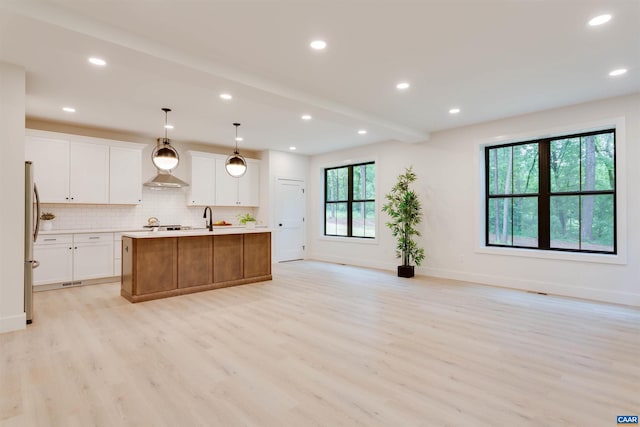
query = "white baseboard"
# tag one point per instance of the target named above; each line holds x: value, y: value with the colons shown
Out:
x: 13, y: 323
x: 358, y: 262
x: 551, y: 288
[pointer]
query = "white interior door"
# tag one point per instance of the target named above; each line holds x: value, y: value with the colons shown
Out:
x: 290, y: 213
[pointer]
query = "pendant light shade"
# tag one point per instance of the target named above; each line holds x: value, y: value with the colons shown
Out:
x: 164, y: 156
x: 236, y: 165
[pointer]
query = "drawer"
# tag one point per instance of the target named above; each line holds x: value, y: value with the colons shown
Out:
x: 54, y: 239
x: 93, y: 238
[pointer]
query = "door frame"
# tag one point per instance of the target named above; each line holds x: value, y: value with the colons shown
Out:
x: 303, y: 181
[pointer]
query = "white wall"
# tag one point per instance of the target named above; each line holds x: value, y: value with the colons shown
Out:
x: 449, y: 176
x: 12, y: 110
x: 391, y: 160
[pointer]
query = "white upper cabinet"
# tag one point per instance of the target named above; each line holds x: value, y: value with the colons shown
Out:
x: 226, y: 186
x: 202, y: 191
x: 69, y: 172
x: 89, y: 173
x: 50, y: 159
x: 249, y: 185
x: 75, y: 169
x: 243, y: 191
x: 125, y: 176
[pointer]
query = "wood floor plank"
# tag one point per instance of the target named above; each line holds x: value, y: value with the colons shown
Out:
x: 322, y: 345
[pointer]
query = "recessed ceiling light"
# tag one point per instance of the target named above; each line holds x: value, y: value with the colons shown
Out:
x: 226, y: 96
x: 318, y: 44
x: 454, y: 111
x: 239, y: 138
x: 618, y: 72
x: 362, y: 132
x: 168, y: 126
x: 599, y: 20
x: 68, y: 109
x: 292, y: 148
x: 403, y: 85
x: 98, y: 61
x: 306, y: 117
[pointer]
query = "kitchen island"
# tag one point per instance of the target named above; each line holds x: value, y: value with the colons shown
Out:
x: 162, y: 264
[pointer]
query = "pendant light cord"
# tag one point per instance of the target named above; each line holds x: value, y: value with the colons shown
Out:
x: 166, y: 112
x: 236, y: 125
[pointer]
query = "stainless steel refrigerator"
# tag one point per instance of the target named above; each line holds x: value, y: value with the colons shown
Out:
x: 31, y: 227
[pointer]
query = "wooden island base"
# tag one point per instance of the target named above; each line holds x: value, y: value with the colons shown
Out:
x: 160, y: 267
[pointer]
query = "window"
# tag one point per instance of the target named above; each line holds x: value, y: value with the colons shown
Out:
x: 553, y: 194
x: 350, y: 201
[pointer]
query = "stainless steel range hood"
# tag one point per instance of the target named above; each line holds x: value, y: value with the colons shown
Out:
x: 166, y: 180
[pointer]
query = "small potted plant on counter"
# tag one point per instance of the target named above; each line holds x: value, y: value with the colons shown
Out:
x: 247, y: 220
x: 47, y: 220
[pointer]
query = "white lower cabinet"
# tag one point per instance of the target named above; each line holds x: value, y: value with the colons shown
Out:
x: 70, y: 258
x: 55, y: 255
x: 92, y: 256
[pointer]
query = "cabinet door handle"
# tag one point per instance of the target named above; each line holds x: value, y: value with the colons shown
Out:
x: 50, y: 240
x: 94, y: 237
x: 126, y: 248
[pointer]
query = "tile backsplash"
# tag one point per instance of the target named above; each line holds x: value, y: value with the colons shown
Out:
x: 169, y: 205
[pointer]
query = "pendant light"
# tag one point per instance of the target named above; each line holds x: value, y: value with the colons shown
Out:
x: 164, y: 156
x: 236, y: 165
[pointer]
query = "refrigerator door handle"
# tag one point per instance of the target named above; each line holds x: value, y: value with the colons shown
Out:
x: 34, y: 263
x: 35, y: 233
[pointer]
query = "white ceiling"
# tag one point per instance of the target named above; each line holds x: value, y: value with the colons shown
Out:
x: 493, y: 59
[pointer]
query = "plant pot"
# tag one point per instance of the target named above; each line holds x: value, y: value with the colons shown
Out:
x: 46, y: 225
x: 406, y: 271
x: 250, y: 224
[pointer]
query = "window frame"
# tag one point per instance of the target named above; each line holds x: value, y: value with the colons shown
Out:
x: 544, y: 193
x: 349, y: 201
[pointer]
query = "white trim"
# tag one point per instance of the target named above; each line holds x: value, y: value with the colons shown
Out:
x: 13, y: 323
x: 356, y: 262
x: 621, y: 192
x: 276, y: 257
x: 357, y: 240
x: 551, y: 288
x: 345, y: 163
x: 554, y: 255
x: 84, y: 139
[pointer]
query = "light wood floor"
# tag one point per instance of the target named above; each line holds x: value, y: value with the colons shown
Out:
x: 322, y: 345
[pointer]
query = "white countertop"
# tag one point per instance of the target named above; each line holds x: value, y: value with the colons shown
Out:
x: 90, y: 230
x: 139, y: 230
x: 217, y: 230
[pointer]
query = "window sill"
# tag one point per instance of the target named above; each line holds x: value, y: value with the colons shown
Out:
x: 357, y: 240
x: 554, y: 255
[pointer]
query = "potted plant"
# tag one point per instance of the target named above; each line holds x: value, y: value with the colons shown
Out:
x: 405, y: 211
x: 247, y: 220
x: 47, y: 220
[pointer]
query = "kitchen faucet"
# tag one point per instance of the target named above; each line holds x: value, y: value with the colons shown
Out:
x: 210, y: 223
